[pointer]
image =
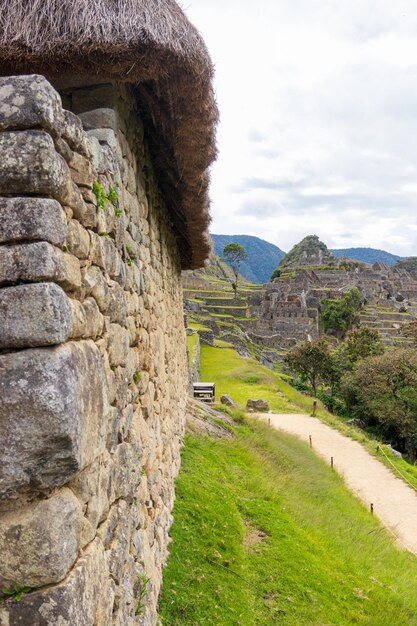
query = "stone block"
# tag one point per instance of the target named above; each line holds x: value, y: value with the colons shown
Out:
x: 40, y: 542
x: 117, y: 304
x: 106, y: 136
x: 84, y: 598
x: 29, y: 102
x: 87, y: 213
x: 81, y: 171
x: 38, y: 261
x: 119, y: 343
x: 257, y: 405
x: 72, y: 132
x: 32, y: 219
x: 88, y: 322
x: 53, y: 404
x: 30, y: 165
x: 106, y: 219
x: 63, y: 149
x: 228, y: 401
x: 120, y: 542
x: 99, y: 118
x: 91, y: 487
x: 78, y: 240
x: 92, y: 98
x: 97, y: 249
x: 125, y: 473
x: 34, y: 315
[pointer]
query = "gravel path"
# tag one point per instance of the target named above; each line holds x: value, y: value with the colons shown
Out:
x: 395, y: 503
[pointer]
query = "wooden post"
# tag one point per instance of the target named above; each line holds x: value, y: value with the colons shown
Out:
x: 372, y: 508
x: 314, y: 408
x: 269, y: 421
x: 311, y: 441
x: 331, y: 462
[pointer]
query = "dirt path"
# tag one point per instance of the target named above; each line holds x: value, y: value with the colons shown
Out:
x: 395, y: 504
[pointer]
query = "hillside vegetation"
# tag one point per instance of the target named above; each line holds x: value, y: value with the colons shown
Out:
x: 367, y: 255
x: 265, y: 533
x: 263, y: 257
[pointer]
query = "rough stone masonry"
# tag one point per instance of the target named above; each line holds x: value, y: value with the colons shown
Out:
x: 93, y: 370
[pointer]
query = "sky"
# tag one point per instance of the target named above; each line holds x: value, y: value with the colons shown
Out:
x: 318, y: 130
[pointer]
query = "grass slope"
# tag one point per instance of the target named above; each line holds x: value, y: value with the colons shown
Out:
x: 265, y: 533
x: 246, y: 378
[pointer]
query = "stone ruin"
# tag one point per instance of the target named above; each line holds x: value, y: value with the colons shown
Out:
x: 288, y: 310
x: 95, y: 226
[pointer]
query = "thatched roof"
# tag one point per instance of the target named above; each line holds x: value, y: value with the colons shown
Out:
x: 146, y: 42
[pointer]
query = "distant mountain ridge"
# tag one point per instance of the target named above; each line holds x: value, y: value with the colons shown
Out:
x: 264, y: 257
x: 367, y: 255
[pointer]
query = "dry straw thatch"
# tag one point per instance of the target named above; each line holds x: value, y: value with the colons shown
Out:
x: 151, y: 44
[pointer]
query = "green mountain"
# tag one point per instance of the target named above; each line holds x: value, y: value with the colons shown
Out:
x: 367, y: 255
x: 263, y: 257
x: 310, y: 251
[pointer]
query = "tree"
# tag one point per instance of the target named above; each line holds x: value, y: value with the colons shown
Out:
x: 410, y: 331
x: 361, y: 343
x: 234, y: 254
x: 275, y: 274
x: 312, y: 361
x: 339, y: 315
x: 382, y: 391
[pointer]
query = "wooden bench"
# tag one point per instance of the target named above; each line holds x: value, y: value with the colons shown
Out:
x: 204, y: 391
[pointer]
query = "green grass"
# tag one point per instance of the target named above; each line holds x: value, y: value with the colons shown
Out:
x: 232, y: 374
x: 219, y: 343
x: 221, y: 306
x: 192, y: 344
x: 229, y: 371
x: 323, y: 560
x: 197, y: 326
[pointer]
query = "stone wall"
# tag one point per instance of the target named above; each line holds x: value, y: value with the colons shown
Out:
x: 290, y: 307
x: 194, y: 358
x: 93, y: 369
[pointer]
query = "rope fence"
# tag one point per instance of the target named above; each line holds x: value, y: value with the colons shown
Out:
x: 379, y: 448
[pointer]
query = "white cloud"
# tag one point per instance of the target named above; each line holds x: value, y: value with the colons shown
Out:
x: 318, y: 103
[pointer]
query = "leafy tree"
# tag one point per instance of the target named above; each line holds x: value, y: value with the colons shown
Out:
x: 312, y: 361
x: 275, y: 274
x: 339, y: 315
x: 410, y: 331
x: 382, y: 390
x: 361, y: 343
x: 234, y: 254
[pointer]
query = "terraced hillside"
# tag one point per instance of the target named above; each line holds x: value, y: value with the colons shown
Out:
x: 218, y: 317
x: 387, y: 321
x: 265, y: 321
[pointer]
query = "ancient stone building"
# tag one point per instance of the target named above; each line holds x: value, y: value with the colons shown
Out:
x: 289, y: 309
x: 106, y: 135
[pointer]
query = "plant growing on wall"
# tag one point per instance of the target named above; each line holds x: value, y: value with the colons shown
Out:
x: 17, y: 592
x: 234, y: 254
x: 144, y: 580
x: 111, y: 196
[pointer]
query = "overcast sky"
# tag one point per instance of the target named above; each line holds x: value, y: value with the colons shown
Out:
x: 318, y: 132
